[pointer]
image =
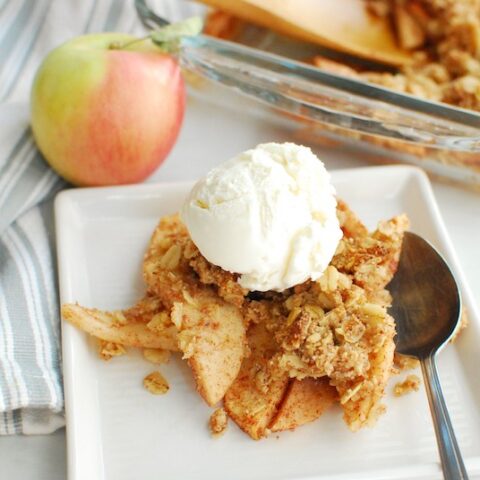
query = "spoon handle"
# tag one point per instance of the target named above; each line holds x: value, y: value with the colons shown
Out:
x: 450, y: 455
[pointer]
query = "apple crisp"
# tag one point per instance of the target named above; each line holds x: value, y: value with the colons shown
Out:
x: 218, y: 422
x: 156, y: 355
x: 337, y: 327
x: 402, y: 363
x: 276, y: 360
x: 156, y: 383
x: 410, y: 384
x: 108, y: 350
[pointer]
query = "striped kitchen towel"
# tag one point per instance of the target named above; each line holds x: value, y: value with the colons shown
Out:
x: 31, y: 394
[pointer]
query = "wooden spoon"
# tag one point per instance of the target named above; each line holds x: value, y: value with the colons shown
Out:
x: 343, y: 25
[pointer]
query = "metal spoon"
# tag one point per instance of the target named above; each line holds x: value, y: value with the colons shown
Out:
x: 426, y: 307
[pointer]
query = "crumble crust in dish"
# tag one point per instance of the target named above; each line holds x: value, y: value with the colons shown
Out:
x: 443, y: 36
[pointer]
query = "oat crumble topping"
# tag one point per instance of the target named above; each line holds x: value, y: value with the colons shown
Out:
x: 402, y: 363
x: 410, y: 384
x: 156, y: 383
x: 218, y: 422
x: 156, y: 355
x: 107, y: 350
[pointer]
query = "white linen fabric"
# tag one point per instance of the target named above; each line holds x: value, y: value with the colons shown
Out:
x: 31, y: 394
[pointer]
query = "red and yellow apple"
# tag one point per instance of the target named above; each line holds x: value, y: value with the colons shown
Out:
x: 105, y: 115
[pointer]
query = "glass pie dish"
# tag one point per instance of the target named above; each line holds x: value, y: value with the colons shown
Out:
x: 442, y: 139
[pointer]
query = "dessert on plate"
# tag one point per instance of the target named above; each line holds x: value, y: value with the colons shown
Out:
x: 272, y: 290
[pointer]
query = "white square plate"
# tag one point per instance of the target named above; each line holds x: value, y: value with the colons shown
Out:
x: 117, y: 430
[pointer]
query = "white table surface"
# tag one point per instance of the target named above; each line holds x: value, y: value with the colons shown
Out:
x: 210, y: 135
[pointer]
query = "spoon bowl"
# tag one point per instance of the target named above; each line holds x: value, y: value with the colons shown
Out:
x: 426, y: 308
x: 426, y: 300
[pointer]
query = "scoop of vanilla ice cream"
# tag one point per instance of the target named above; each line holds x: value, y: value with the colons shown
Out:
x: 268, y: 214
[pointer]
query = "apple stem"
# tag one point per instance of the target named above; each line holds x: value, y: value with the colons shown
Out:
x: 168, y: 37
